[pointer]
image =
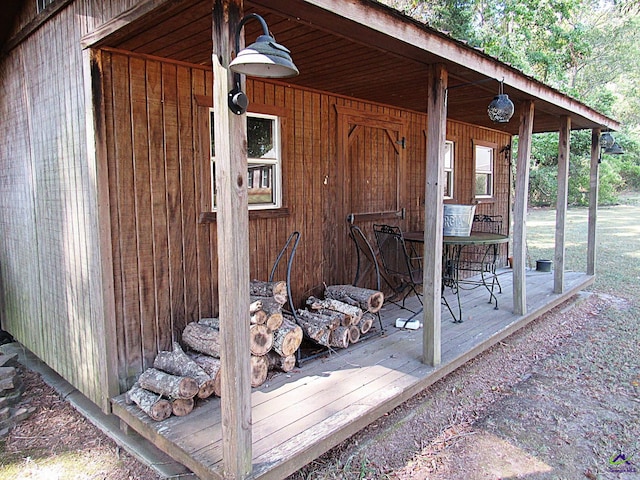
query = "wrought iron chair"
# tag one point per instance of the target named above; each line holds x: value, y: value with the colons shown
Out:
x: 399, y: 263
x: 405, y: 264
x: 482, y: 260
x: 364, y: 251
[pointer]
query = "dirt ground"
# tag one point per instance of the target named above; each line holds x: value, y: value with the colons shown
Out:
x: 545, y: 403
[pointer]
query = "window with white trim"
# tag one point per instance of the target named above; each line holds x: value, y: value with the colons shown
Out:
x: 42, y: 4
x: 264, y: 177
x: 449, y: 151
x: 484, y: 164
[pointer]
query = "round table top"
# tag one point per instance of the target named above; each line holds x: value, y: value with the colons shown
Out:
x: 476, y: 238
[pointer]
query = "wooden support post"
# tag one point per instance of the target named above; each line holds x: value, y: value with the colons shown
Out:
x: 520, y: 208
x: 233, y: 248
x: 564, y: 142
x: 433, y: 193
x: 593, y: 201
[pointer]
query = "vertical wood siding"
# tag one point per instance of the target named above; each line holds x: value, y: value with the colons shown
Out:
x: 164, y: 257
x: 50, y: 263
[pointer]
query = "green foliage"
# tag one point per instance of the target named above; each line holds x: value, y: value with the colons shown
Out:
x: 589, y: 49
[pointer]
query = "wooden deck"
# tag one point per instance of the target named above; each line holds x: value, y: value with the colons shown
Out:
x: 300, y: 415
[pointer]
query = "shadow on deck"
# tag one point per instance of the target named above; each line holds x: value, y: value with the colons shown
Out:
x: 300, y: 415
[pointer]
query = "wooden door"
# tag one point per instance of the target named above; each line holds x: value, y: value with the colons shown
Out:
x: 370, y: 154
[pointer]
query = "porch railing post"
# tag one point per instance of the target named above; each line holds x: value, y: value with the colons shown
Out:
x: 564, y: 141
x: 593, y: 201
x: 233, y: 249
x: 520, y: 208
x: 434, y: 190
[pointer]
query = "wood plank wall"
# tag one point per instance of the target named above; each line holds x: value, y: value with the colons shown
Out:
x: 50, y: 258
x: 165, y: 257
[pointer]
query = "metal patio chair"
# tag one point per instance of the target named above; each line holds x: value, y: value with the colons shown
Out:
x: 399, y: 262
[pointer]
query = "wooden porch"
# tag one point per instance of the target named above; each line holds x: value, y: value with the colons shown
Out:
x: 299, y: 416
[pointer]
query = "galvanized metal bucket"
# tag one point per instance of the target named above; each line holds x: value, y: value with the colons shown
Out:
x: 457, y: 220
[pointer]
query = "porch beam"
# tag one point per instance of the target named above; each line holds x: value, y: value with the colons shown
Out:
x: 593, y: 201
x: 520, y: 208
x: 564, y: 142
x: 433, y: 194
x: 233, y: 249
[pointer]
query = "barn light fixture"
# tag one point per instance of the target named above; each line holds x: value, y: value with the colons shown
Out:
x: 265, y: 59
x: 500, y: 109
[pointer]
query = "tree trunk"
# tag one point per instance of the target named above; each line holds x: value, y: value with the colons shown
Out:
x: 171, y: 386
x: 202, y: 338
x: 178, y: 363
x: 150, y: 403
x: 277, y: 290
x: 211, y: 366
x: 287, y: 339
x: 331, y: 304
x: 286, y: 364
x: 182, y: 406
x: 259, y: 370
x: 367, y: 300
x: 260, y: 340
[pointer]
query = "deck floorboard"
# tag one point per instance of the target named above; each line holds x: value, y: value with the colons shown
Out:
x: 300, y: 415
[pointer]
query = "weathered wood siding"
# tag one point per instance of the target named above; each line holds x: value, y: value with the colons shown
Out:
x: 164, y: 248
x: 50, y: 261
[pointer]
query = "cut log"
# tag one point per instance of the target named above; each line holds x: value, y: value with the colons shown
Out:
x: 368, y: 300
x: 150, y: 403
x: 277, y: 290
x: 260, y: 340
x: 259, y: 370
x: 354, y: 334
x: 172, y: 386
x: 177, y: 362
x: 316, y: 332
x: 287, y: 339
x: 338, y: 318
x: 202, y: 338
x: 182, y: 406
x: 213, y: 322
x: 276, y: 362
x: 255, y: 307
x: 328, y: 321
x: 366, y: 323
x: 339, y: 337
x: 259, y: 317
x: 273, y: 309
x: 211, y: 366
x: 332, y: 304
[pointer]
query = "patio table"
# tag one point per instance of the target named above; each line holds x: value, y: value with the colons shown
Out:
x: 453, y: 263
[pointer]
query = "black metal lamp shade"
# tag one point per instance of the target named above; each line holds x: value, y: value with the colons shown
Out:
x: 501, y: 108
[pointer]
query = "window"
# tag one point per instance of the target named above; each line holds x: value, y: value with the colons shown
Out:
x: 448, y: 169
x: 42, y: 4
x: 263, y: 151
x: 484, y: 171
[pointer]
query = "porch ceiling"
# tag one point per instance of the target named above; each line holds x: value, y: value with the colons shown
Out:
x: 358, y: 57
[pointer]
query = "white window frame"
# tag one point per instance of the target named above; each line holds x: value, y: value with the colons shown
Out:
x: 488, y: 172
x: 449, y: 154
x: 273, y: 160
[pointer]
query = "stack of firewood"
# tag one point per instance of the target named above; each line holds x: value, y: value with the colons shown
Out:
x: 338, y: 320
x: 178, y: 377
